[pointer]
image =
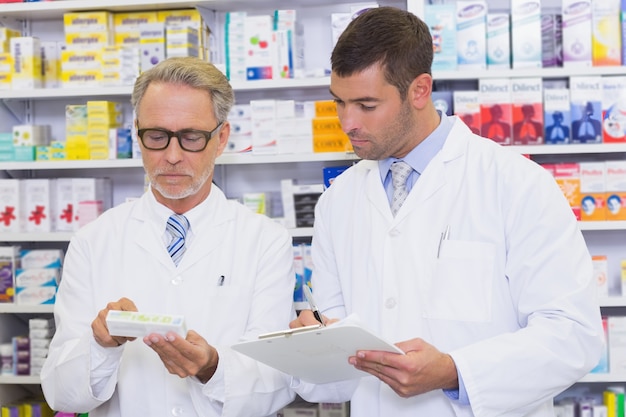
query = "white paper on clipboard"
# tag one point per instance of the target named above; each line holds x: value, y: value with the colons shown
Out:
x: 317, y: 355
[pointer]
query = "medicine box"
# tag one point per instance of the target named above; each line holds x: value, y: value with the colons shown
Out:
x: 557, y: 115
x: 136, y: 324
x: 495, y: 109
x: 577, y: 33
x: 526, y: 33
x: 498, y: 40
x: 471, y: 29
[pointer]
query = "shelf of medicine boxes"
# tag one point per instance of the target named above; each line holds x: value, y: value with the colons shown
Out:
x: 20, y: 309
x: 298, y: 232
x: 313, y: 82
x: 56, y: 9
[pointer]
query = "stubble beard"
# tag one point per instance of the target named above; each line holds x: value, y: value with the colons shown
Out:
x: 176, y: 192
x: 397, y: 135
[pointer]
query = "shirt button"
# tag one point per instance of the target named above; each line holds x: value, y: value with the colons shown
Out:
x: 390, y: 302
x: 178, y: 411
x: 394, y: 232
x: 177, y: 280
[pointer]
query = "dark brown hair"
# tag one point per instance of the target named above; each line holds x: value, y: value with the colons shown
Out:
x: 396, y: 39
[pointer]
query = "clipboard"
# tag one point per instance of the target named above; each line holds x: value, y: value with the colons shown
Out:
x: 315, y: 354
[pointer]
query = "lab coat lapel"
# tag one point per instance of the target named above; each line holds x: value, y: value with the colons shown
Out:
x: 146, y: 237
x: 433, y: 179
x: 209, y: 230
x: 374, y: 188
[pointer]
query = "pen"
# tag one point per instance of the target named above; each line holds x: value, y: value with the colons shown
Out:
x: 309, y: 298
x: 220, y: 281
x: 444, y: 236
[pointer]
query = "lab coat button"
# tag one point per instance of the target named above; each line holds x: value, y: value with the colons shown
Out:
x: 390, y: 302
x: 394, y: 232
x: 177, y: 281
x: 178, y: 411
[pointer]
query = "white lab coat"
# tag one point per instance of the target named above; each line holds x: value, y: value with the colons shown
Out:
x: 511, y: 296
x: 122, y: 254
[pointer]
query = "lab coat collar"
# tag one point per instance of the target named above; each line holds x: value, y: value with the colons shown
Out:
x: 149, y: 218
x: 431, y: 180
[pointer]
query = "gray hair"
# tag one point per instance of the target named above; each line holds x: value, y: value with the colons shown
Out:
x: 192, y: 72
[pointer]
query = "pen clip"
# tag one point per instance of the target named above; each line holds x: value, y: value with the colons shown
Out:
x: 445, y: 235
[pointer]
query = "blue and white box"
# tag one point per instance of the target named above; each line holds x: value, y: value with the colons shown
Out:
x: 441, y: 20
x: 471, y: 30
x: 586, y: 105
x: 498, y: 41
x: 526, y: 33
x: 557, y: 116
x: 577, y: 33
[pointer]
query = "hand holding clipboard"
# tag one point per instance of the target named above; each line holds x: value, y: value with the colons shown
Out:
x: 315, y: 353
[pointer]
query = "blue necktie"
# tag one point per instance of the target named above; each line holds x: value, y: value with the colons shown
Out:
x: 177, y: 226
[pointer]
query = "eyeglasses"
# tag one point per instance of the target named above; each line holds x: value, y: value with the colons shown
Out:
x: 190, y: 140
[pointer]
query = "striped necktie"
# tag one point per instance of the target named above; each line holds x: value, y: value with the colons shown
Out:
x: 177, y: 227
x: 400, y: 171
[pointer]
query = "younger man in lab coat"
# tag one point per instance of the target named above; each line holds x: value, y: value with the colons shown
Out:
x: 473, y: 263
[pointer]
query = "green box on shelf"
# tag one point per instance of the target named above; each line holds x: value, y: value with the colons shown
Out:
x: 24, y: 153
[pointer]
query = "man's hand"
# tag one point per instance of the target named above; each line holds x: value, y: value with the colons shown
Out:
x: 99, y: 325
x: 421, y: 370
x: 191, y: 356
x: 306, y: 318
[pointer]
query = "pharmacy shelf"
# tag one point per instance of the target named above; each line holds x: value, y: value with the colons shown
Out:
x: 20, y: 380
x: 590, y: 148
x: 249, y: 158
x: 56, y: 9
x: 66, y: 236
x: 602, y: 225
x: 612, y: 301
x: 19, y: 308
x: 225, y: 159
x: 305, y: 83
x: 125, y: 91
x: 298, y: 232
x: 556, y: 72
x: 603, y: 378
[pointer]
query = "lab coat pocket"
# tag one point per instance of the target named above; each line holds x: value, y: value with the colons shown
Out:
x: 462, y: 285
x: 219, y: 307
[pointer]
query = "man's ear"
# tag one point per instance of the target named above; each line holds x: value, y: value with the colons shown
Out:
x: 223, y: 136
x: 420, y: 90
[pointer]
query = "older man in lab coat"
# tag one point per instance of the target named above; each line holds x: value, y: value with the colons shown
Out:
x: 233, y: 282
x: 482, y: 277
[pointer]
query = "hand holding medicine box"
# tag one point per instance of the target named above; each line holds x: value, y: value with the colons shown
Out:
x: 136, y: 324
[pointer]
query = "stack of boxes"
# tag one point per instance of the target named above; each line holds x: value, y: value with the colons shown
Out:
x: 9, y: 263
x: 21, y: 355
x: 263, y: 47
x: 596, y: 191
x: 240, y: 138
x: 76, y: 144
x: 6, y: 146
x: 121, y: 62
x: 6, y: 60
x: 52, y: 205
x: 26, y: 139
x: 86, y: 34
x: 328, y: 135
x: 37, y: 278
x: 40, y: 332
x: 102, y: 116
x: 26, y: 63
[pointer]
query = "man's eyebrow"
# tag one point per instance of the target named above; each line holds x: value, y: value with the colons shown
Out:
x: 367, y: 99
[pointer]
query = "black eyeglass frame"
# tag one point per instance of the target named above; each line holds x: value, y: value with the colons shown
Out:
x: 208, y: 135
